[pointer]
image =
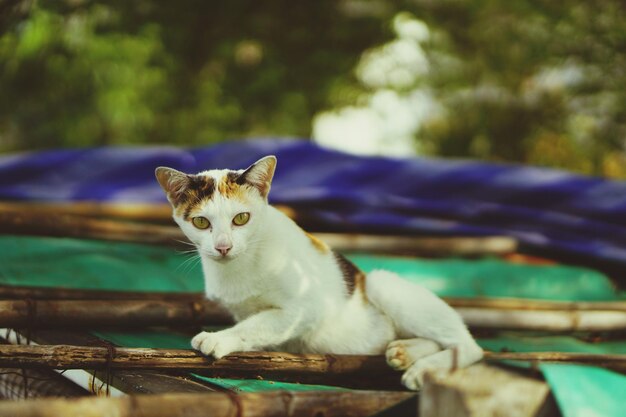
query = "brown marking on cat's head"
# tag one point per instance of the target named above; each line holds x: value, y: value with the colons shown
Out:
x: 185, y: 191
x: 317, y: 243
x: 232, y: 185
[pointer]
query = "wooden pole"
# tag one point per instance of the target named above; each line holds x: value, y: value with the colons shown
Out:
x: 36, y: 221
x: 127, y: 313
x: 38, y: 224
x: 195, y: 311
x: 8, y: 292
x: 532, y: 304
x: 144, y: 212
x: 408, y: 245
x: 249, y: 364
x: 547, y: 320
x: 280, y: 403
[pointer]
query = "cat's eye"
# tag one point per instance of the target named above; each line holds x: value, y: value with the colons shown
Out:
x: 201, y: 222
x: 241, y: 219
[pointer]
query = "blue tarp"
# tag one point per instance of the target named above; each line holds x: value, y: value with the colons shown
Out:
x: 543, y: 208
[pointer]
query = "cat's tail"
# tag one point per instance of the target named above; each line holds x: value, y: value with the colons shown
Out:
x: 436, y: 336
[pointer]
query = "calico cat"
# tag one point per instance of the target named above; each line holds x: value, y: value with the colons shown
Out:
x: 288, y: 291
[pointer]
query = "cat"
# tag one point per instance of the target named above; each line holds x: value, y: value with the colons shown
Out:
x: 288, y: 291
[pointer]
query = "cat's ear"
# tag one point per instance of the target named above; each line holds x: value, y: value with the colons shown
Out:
x: 260, y: 174
x: 173, y: 182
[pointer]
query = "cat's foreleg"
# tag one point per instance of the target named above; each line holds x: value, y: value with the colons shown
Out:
x: 264, y: 329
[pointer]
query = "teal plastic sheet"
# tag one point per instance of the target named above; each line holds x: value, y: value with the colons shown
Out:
x: 584, y: 391
x: 493, y: 277
x: 90, y: 264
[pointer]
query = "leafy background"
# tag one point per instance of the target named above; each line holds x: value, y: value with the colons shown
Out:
x: 532, y: 81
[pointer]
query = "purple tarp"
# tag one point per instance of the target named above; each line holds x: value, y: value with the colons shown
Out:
x: 543, y: 208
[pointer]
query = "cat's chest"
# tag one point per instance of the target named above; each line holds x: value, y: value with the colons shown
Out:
x: 247, y: 307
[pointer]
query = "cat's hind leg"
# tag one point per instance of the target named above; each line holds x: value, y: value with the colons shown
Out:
x: 401, y: 354
x: 417, y: 312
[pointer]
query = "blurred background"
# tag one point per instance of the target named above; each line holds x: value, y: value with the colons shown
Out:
x: 534, y: 81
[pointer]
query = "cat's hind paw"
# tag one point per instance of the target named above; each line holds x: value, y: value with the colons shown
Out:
x: 396, y: 356
x: 401, y: 354
x: 217, y: 344
x: 413, y: 378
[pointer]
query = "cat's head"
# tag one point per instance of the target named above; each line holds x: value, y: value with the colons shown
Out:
x: 219, y: 210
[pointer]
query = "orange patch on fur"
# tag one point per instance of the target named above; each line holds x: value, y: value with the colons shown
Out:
x: 230, y: 189
x: 318, y: 244
x: 359, y: 284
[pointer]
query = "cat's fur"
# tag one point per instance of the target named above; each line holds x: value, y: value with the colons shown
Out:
x: 288, y: 291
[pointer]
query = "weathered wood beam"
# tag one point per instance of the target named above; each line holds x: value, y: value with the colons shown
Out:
x: 282, y: 403
x: 249, y: 364
x: 484, y: 391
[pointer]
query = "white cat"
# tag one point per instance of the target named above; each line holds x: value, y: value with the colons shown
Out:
x: 288, y: 291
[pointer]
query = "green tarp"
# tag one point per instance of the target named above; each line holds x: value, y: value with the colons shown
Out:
x: 88, y: 264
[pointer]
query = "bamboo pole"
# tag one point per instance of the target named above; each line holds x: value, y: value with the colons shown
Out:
x: 553, y: 321
x: 144, y: 212
x: 407, y: 245
x: 35, y: 221
x: 38, y: 224
x: 134, y: 313
x: 56, y: 293
x: 281, y: 403
x: 250, y: 364
x: 195, y: 311
x: 533, y: 304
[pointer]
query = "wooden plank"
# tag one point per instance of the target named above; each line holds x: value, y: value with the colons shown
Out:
x: 482, y: 391
x: 287, y: 403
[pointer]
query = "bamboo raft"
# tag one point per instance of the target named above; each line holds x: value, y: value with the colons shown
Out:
x: 48, y: 349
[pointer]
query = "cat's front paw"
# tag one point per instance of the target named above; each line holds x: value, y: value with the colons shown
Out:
x: 216, y: 344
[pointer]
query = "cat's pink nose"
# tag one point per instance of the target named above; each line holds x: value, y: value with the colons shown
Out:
x: 223, y: 249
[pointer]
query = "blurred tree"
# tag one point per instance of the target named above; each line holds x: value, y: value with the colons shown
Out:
x: 532, y: 81
x: 83, y: 72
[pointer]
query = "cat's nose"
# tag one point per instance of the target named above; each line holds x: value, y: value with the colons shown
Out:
x: 223, y: 249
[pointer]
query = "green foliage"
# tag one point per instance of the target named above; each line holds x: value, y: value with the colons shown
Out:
x: 80, y: 72
x: 536, y: 82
